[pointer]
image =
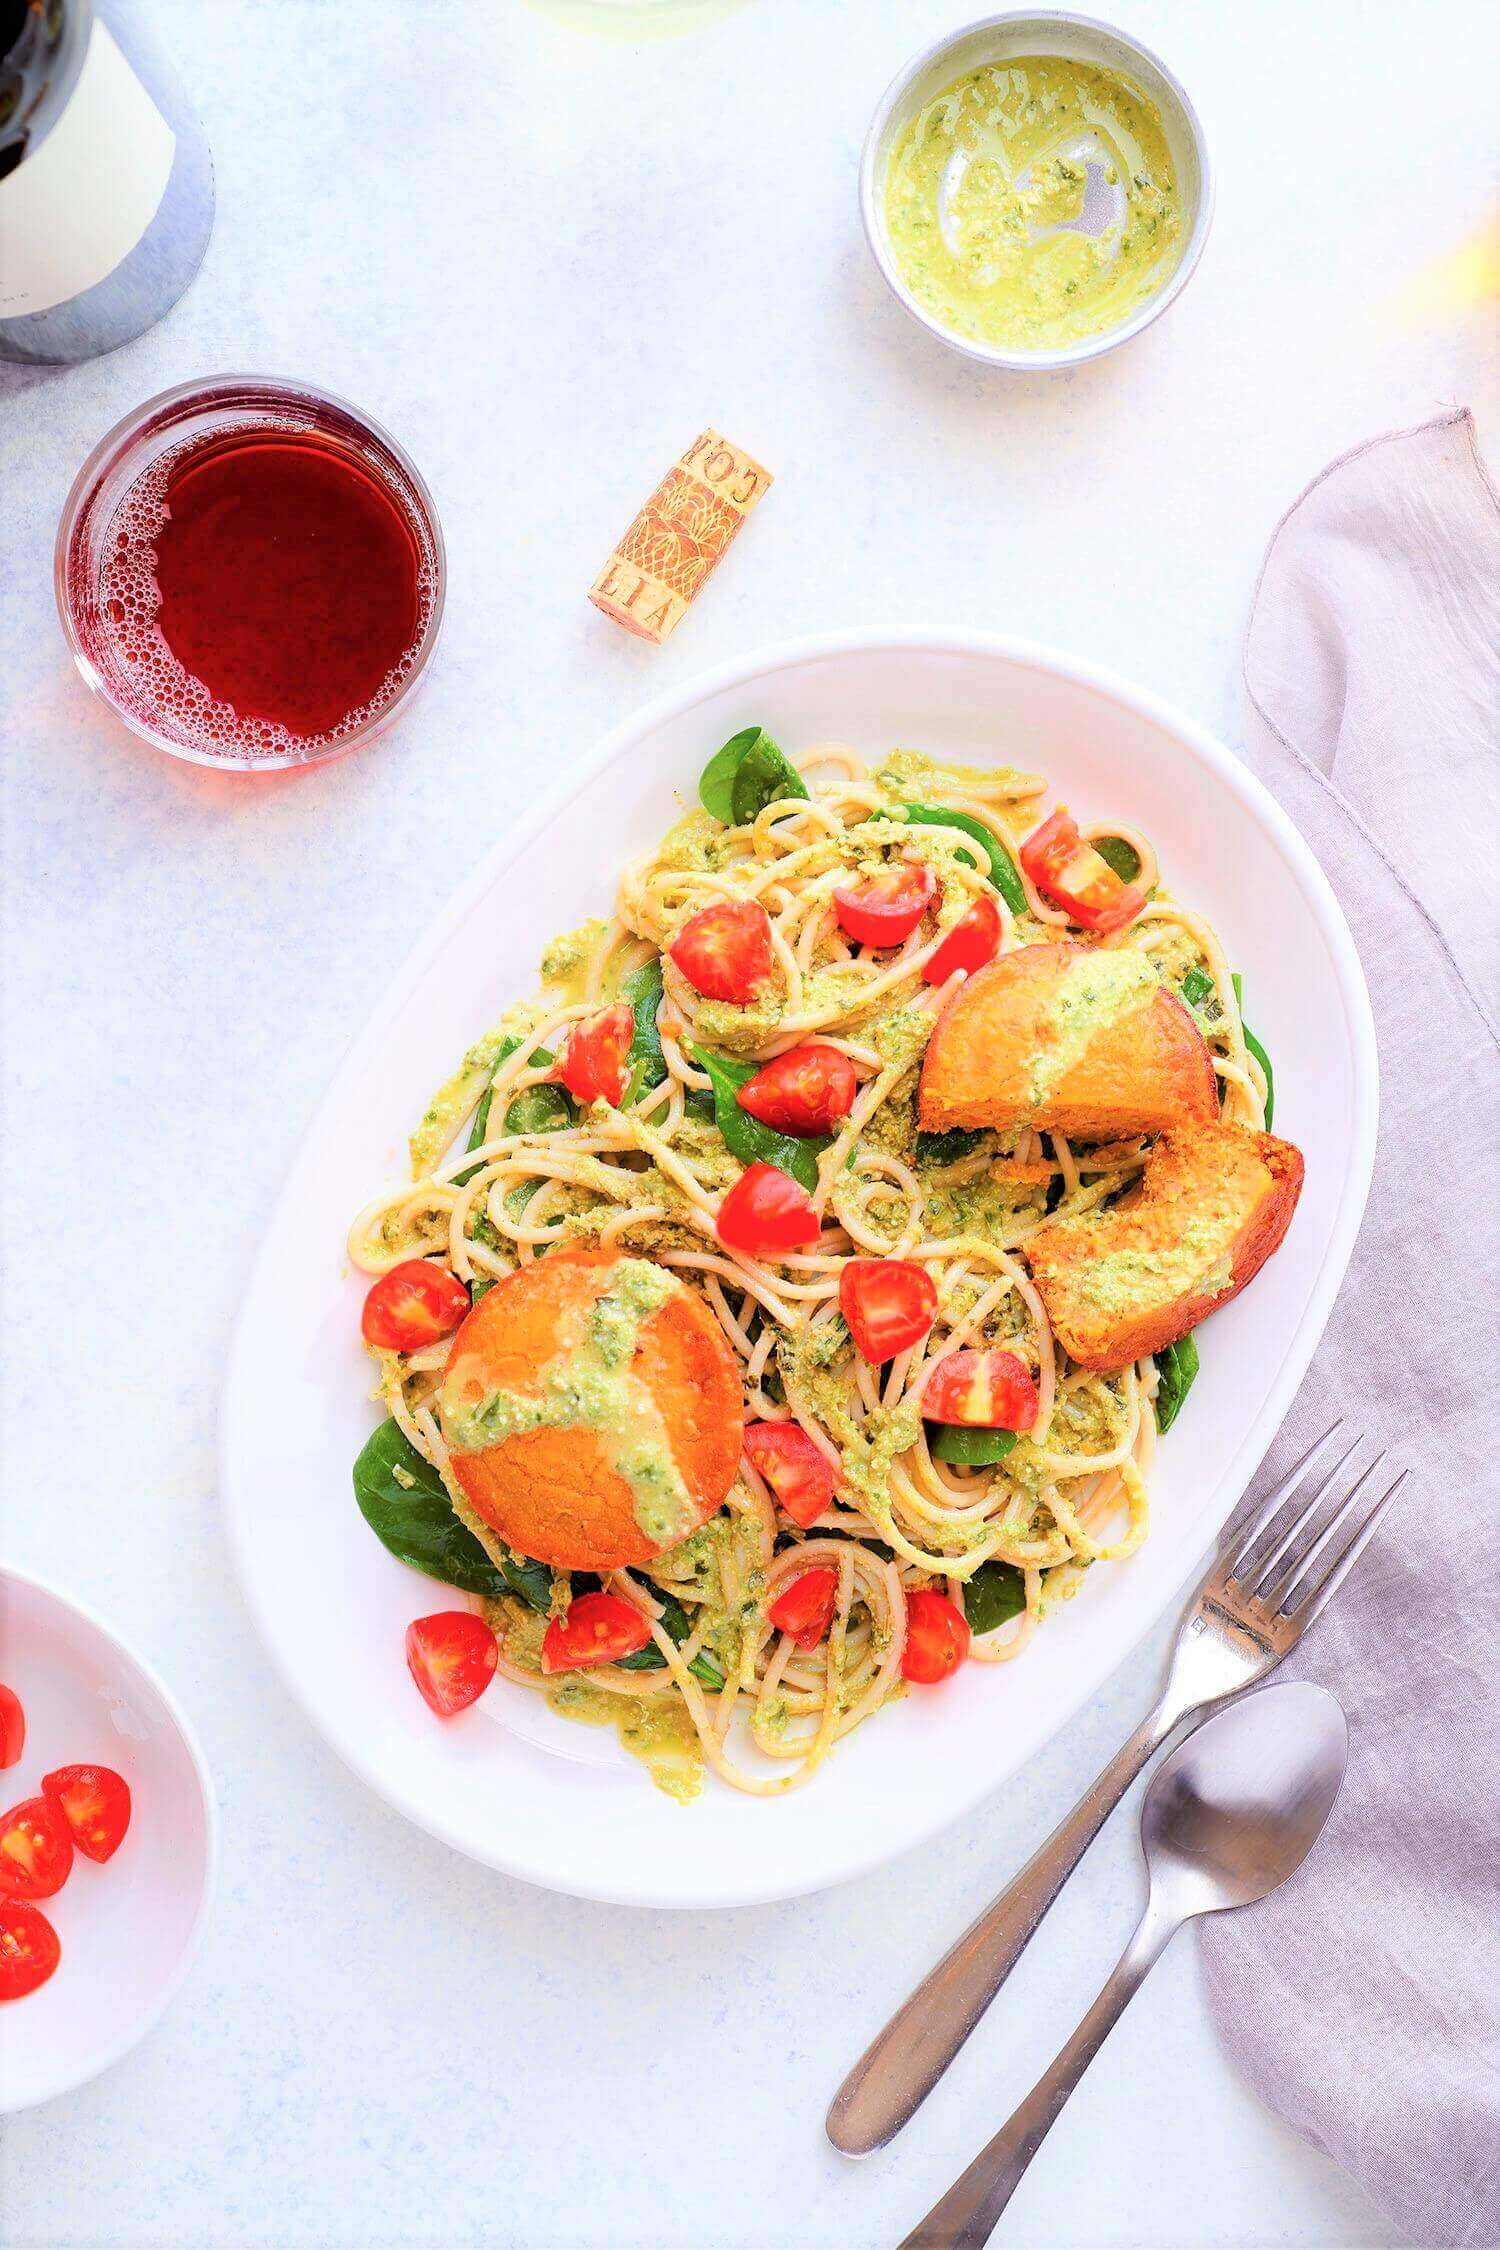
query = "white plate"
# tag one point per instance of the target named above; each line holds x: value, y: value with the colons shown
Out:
x: 563, y: 1804
x: 130, y: 1928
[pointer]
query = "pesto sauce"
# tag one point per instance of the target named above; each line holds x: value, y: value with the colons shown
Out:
x: 1094, y: 993
x: 985, y: 187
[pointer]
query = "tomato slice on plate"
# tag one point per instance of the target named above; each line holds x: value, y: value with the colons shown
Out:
x: 724, y: 950
x: 36, y: 1850
x: 937, y: 1639
x: 766, y: 1213
x: 969, y: 944
x: 803, y: 1092
x: 988, y: 1390
x: 1060, y: 863
x: 414, y: 1304
x: 798, y: 1474
x: 12, y: 1727
x: 598, y: 1629
x: 805, y: 1608
x: 595, y: 1062
x: 29, y: 1951
x: 95, y: 1803
x: 452, y: 1658
x: 888, y: 1304
x: 888, y: 907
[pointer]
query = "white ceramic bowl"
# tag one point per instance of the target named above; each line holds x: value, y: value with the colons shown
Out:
x: 130, y: 1928
x: 1039, y: 31
x: 563, y: 1804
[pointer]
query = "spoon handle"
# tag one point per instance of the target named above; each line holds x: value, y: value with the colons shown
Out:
x: 965, y: 2217
x: 902, y: 2063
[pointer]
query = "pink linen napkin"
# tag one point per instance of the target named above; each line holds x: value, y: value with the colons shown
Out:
x: 1363, y: 1999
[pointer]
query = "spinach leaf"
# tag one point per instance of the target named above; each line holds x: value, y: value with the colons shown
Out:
x: 948, y: 1147
x: 970, y: 1449
x: 700, y: 1104
x: 1122, y: 857
x: 1196, y: 987
x: 749, y: 773
x: 1001, y: 866
x: 405, y: 1502
x: 531, y: 1580
x: 675, y: 1619
x: 479, y: 1285
x: 744, y: 1135
x: 1260, y: 1055
x: 995, y: 1593
x: 539, y: 1109
x: 1175, y: 1370
x: 648, y: 1062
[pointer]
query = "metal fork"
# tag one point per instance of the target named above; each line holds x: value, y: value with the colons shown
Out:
x: 1280, y: 1562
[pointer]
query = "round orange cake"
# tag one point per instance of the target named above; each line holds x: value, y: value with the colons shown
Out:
x: 640, y: 1396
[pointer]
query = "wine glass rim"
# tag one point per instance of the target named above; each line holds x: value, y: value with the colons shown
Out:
x: 208, y: 393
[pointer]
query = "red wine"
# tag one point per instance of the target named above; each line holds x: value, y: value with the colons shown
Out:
x: 106, y: 183
x: 287, y: 579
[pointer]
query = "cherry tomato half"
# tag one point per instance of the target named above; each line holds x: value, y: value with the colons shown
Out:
x: 803, y: 1092
x: 29, y: 1951
x: 1060, y: 863
x: 452, y: 1657
x: 888, y: 1303
x: 937, y: 1639
x: 598, y: 1629
x: 766, y: 1213
x: 36, y: 1850
x: 798, y: 1474
x: 414, y: 1304
x: 95, y: 1803
x: 969, y: 944
x: 805, y: 1608
x: 987, y: 1390
x: 724, y: 950
x: 12, y: 1727
x: 888, y: 907
x: 595, y: 1062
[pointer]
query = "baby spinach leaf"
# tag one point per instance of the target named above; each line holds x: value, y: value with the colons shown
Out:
x: 1122, y: 857
x: 970, y: 1449
x: 531, y: 1580
x: 1175, y: 1369
x: 1002, y: 868
x: 539, y: 1109
x: 1197, y: 986
x: 405, y: 1502
x: 1260, y: 1055
x: 648, y: 1062
x: 949, y: 1147
x: 749, y: 773
x: 479, y: 1285
x: 995, y: 1593
x: 744, y: 1135
x: 675, y: 1619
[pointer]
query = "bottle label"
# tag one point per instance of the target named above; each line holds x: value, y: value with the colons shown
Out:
x: 72, y: 211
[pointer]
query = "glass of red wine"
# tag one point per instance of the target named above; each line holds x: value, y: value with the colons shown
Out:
x: 251, y: 573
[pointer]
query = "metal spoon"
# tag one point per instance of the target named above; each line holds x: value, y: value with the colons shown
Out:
x: 1228, y: 1817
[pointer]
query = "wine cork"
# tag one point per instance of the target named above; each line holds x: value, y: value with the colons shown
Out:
x: 661, y: 562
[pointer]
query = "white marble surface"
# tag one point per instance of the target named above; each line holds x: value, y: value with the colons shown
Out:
x: 600, y: 249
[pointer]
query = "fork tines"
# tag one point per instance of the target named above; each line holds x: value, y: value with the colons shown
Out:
x: 1287, y: 1554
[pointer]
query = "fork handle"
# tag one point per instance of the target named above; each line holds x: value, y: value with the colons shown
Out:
x: 902, y: 2064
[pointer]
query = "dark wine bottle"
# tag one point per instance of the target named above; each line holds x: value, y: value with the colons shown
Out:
x: 106, y: 182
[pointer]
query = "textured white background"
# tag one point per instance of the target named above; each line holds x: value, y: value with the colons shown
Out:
x: 545, y: 262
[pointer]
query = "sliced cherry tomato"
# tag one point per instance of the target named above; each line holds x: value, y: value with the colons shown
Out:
x: 414, y: 1304
x: 36, y: 1850
x: 969, y: 944
x: 766, y: 1213
x: 29, y: 1951
x: 598, y: 1629
x: 937, y: 1638
x: 724, y: 950
x: 888, y: 907
x: 792, y: 1466
x: 1060, y: 863
x: 595, y: 1062
x: 12, y: 1727
x: 451, y: 1656
x: 95, y: 1803
x: 802, y: 1093
x: 989, y: 1390
x: 888, y: 1303
x: 805, y: 1608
